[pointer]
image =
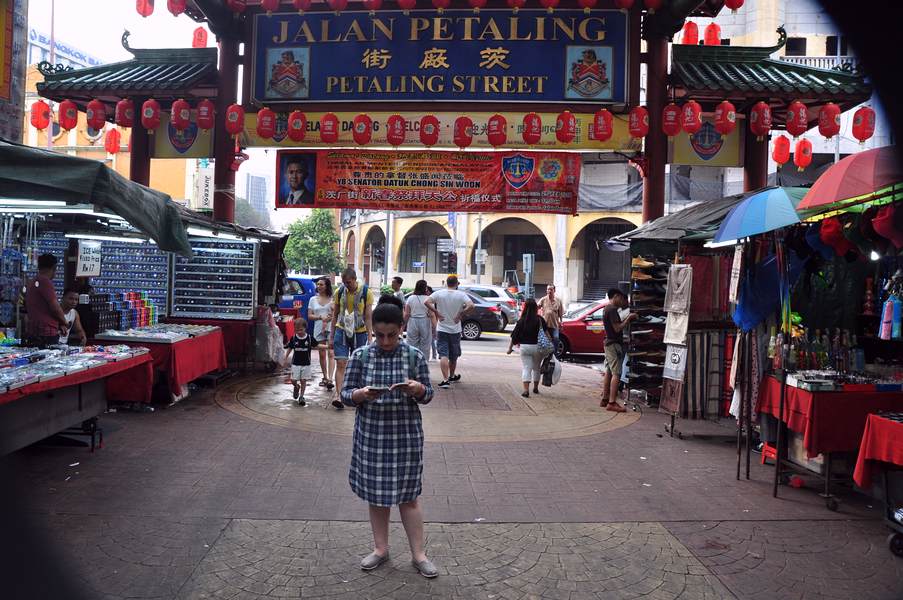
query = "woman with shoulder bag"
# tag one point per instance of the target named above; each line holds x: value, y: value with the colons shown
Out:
x: 319, y: 312
x: 526, y: 334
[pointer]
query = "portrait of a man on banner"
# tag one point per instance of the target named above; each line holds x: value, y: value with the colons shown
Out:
x: 296, y: 177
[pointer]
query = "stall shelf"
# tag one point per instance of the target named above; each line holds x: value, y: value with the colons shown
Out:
x: 127, y: 268
x: 218, y: 282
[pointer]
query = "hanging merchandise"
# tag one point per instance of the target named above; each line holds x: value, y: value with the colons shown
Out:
x: 124, y: 115
x: 145, y: 8
x: 199, y: 38
x: 180, y: 115
x: 362, y: 129
x: 888, y: 223
x: 638, y: 122
x: 235, y: 120
x: 802, y: 156
x: 886, y: 328
x: 864, y: 123
x: 176, y: 7
x: 270, y: 6
x: 429, y: 130
x: 302, y: 5
x: 587, y: 5
x: 712, y: 35
x: 329, y: 128
x: 206, y: 115
x: 40, y: 115
x: 602, y: 125
x: 463, y: 132
x: 396, y: 130
x: 68, y: 115
x: 96, y: 114
x: 760, y: 120
x: 675, y: 361
x: 690, y: 34
x: 781, y: 152
x: 677, y: 292
x: 797, y: 119
x: 676, y: 326
x: 497, y: 130
x: 691, y: 117
x: 671, y: 120
x: 297, y: 126
x: 829, y: 120
x: 266, y: 123
x: 112, y: 142
x: 372, y: 6
x: 566, y: 127
x: 624, y: 4
x: 725, y: 118
x: 532, y: 129
x: 549, y: 5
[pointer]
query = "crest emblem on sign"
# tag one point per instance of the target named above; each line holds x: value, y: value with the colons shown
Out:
x: 183, y: 140
x: 589, y: 76
x: 287, y: 76
x: 706, y: 142
x: 518, y: 170
x: 281, y: 127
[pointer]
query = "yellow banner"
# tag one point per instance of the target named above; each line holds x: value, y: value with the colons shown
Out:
x: 707, y: 147
x: 190, y: 143
x: 6, y: 48
x: 620, y: 140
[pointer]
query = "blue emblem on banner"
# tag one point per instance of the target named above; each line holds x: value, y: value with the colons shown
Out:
x: 183, y: 140
x: 706, y: 142
x: 518, y: 170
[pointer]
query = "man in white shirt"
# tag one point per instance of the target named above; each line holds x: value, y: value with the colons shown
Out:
x: 452, y: 306
x: 296, y: 172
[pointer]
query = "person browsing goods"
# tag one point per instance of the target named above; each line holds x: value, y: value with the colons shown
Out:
x: 452, y: 305
x: 614, y: 348
x: 46, y: 321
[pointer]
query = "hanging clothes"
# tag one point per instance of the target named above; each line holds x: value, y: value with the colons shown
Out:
x: 680, y: 286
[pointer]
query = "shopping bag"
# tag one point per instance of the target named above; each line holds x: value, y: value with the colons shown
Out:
x: 543, y: 344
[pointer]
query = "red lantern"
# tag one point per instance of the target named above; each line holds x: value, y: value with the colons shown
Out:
x: 497, y: 130
x: 329, y: 128
x: 176, y: 7
x: 725, y: 118
x: 206, y: 115
x: 199, y: 38
x: 372, y: 5
x: 429, y: 130
x: 463, y: 132
x: 441, y: 5
x: 587, y: 5
x: 781, y: 152
x: 797, y: 119
x: 476, y: 5
x: 150, y: 115
x: 671, y: 120
x: 180, y: 115
x: 302, y: 5
x: 337, y: 5
x: 691, y: 34
x: 624, y: 4
x: 406, y: 5
x: 96, y: 114
x: 652, y: 5
x: 638, y: 122
x: 266, y: 123
x: 40, y: 115
x: 602, y: 125
x: 864, y: 123
x: 516, y: 5
x: 361, y: 129
x: 235, y: 119
x: 237, y: 6
x: 691, y: 117
x: 734, y: 5
x: 112, y: 141
x: 566, y: 127
x: 297, y: 126
x: 829, y: 120
x: 270, y: 6
x: 549, y: 5
x: 760, y: 120
x: 68, y: 114
x: 145, y: 8
x: 396, y: 130
x: 802, y: 156
x: 712, y: 35
x: 124, y: 115
x: 532, y: 128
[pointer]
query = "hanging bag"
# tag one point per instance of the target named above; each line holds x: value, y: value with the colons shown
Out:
x: 543, y: 344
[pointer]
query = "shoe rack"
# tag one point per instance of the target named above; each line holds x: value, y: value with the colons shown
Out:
x: 646, y: 354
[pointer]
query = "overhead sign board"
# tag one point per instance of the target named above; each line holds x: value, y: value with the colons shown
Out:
x: 533, y: 56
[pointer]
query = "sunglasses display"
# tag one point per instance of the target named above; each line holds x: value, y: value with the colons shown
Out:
x: 218, y: 282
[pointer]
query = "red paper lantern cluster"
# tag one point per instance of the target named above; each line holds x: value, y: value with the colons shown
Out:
x: 329, y: 128
x: 96, y: 114
x: 624, y: 4
x: 712, y: 35
x: 463, y: 132
x: 797, y: 118
x: 68, y: 115
x: 566, y: 127
x: 587, y: 5
x: 864, y: 123
x: 199, y: 38
x: 760, y: 120
x: 237, y: 6
x: 549, y: 5
x: 781, y: 152
x: 302, y: 5
x: 734, y: 5
x: 532, y: 126
x: 829, y: 120
x: 690, y: 34
x: 603, y: 127
x: 671, y: 120
x: 638, y: 122
x: 145, y: 8
x: 372, y: 5
x: 124, y: 115
x: 180, y: 115
x: 725, y: 118
x: 514, y: 5
x: 497, y: 130
x: 337, y: 5
x: 297, y: 126
x: 362, y: 129
x: 396, y: 130
x: 266, y: 123
x: 150, y: 115
x: 691, y: 117
x: 206, y: 115
x: 802, y: 156
x: 653, y: 5
x: 40, y: 115
x: 112, y: 141
x: 476, y: 5
x: 441, y: 5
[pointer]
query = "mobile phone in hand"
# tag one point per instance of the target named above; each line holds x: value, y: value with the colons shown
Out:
x: 378, y: 389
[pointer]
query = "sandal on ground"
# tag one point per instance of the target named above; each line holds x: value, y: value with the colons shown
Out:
x: 330, y: 385
x: 525, y: 395
x: 615, y: 407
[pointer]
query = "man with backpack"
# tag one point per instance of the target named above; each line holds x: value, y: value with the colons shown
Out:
x: 350, y: 327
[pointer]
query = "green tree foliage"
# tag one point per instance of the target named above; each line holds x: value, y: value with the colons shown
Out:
x: 247, y: 216
x: 313, y: 244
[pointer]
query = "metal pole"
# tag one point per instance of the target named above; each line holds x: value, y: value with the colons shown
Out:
x: 837, y: 137
x: 52, y: 61
x: 479, y: 246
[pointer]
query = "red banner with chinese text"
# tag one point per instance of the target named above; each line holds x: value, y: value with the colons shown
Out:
x: 543, y: 182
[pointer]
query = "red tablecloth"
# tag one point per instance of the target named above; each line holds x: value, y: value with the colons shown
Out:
x: 882, y: 442
x: 287, y: 328
x: 237, y: 335
x: 136, y: 373
x: 185, y: 361
x: 829, y: 421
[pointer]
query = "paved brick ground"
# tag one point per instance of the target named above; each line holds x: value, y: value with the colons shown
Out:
x: 196, y: 501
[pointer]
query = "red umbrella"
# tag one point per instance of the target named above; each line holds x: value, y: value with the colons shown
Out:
x: 857, y: 175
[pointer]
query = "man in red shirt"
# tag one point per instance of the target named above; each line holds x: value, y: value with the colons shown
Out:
x: 46, y: 321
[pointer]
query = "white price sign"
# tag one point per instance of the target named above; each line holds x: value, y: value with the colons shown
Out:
x: 203, y: 194
x: 735, y: 273
x: 88, y: 259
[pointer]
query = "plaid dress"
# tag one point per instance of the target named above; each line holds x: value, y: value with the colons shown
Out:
x: 387, y: 454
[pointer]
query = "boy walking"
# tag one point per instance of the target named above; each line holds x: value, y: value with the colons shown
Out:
x: 299, y: 347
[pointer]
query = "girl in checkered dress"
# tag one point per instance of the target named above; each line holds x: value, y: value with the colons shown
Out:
x: 386, y: 381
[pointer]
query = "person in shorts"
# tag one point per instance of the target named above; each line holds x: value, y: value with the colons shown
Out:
x: 452, y: 305
x: 299, y: 347
x: 350, y: 326
x: 614, y: 348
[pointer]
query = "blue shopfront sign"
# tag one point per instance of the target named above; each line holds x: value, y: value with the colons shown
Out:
x: 457, y: 56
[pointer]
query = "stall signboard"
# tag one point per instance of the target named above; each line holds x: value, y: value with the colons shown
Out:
x: 620, y: 139
x: 203, y: 193
x: 13, y: 20
x: 538, y: 182
x: 707, y: 147
x: 191, y: 142
x: 88, y: 264
x: 459, y: 55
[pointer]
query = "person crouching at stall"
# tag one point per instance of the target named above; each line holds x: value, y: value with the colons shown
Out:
x: 299, y: 347
x: 387, y: 381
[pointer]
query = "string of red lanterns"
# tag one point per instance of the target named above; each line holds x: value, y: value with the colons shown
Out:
x: 362, y: 129
x: 802, y: 155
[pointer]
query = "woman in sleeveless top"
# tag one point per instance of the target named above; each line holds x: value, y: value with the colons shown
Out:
x: 418, y: 319
x: 319, y: 312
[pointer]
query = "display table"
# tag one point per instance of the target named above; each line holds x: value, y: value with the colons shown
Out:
x: 237, y: 334
x: 882, y: 442
x: 828, y: 421
x: 186, y: 360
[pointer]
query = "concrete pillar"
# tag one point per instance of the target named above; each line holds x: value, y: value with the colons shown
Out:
x: 559, y: 258
x: 656, y: 142
x: 358, y: 244
x: 755, y: 162
x: 139, y: 157
x: 224, y: 145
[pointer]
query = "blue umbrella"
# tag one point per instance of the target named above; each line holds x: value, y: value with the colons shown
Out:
x: 762, y: 211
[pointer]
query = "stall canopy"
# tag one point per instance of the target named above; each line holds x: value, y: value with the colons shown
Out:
x: 36, y: 174
x: 700, y: 218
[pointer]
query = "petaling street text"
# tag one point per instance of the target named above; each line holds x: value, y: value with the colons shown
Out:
x: 415, y: 84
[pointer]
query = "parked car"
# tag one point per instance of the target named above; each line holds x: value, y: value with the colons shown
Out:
x: 297, y: 292
x: 506, y: 301
x: 582, y: 331
x: 485, y: 316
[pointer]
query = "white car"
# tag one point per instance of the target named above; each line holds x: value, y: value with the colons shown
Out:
x: 497, y: 295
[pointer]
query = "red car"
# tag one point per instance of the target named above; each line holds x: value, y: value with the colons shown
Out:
x: 582, y: 331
